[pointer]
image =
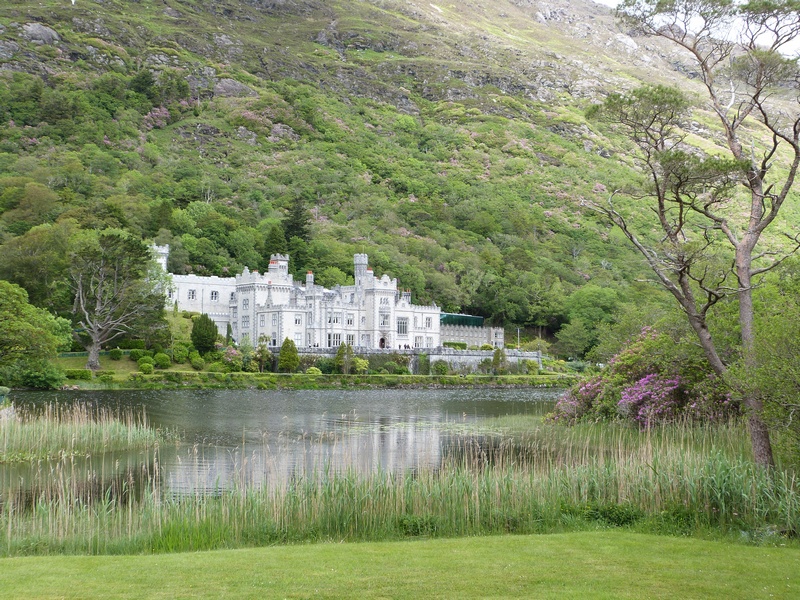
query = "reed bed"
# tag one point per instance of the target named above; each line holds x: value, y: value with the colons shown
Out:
x: 77, y: 429
x: 676, y: 479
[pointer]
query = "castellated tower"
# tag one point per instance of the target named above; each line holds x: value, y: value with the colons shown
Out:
x: 279, y: 264
x: 360, y: 262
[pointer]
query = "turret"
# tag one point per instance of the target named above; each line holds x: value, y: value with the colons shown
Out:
x: 360, y: 262
x: 278, y: 265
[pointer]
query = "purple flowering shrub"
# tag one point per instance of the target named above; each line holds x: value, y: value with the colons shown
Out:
x: 652, y: 380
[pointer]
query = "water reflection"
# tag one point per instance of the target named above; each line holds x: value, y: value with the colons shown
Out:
x: 255, y: 438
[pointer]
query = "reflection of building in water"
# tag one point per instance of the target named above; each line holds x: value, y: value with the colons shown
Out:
x: 355, y: 447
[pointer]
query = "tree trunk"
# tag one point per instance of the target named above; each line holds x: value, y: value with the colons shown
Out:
x: 759, y: 433
x: 93, y: 362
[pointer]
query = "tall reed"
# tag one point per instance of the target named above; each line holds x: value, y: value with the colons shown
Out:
x: 676, y: 479
x: 63, y: 430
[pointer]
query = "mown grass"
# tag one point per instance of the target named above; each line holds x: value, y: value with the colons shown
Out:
x: 576, y: 565
x: 78, y: 429
x: 676, y: 480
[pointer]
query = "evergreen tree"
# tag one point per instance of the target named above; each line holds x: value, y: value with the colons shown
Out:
x: 296, y: 223
x: 344, y: 358
x: 288, y: 359
x: 275, y: 242
x: 204, y: 334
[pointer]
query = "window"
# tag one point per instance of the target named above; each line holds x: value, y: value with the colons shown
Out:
x: 245, y: 321
x: 334, y: 318
x: 298, y: 319
x: 363, y: 320
x: 418, y: 341
x: 351, y: 339
x: 402, y: 325
x: 429, y: 342
x: 274, y: 339
x: 245, y: 304
x: 416, y: 322
x: 214, y: 296
x: 261, y: 321
x: 334, y: 340
x: 275, y: 319
x: 428, y: 322
x: 233, y: 296
x: 349, y: 318
x: 235, y: 312
x: 385, y: 301
x: 169, y: 293
x: 192, y: 294
x: 298, y: 339
x: 384, y: 320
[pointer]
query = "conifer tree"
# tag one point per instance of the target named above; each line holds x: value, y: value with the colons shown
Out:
x: 288, y: 359
x: 204, y: 334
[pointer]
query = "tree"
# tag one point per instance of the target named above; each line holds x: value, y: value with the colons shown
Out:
x: 296, y: 223
x: 288, y: 359
x: 109, y: 274
x: 343, y: 361
x: 204, y: 334
x: 28, y: 333
x: 736, y: 49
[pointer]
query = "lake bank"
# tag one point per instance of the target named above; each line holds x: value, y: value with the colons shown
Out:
x: 172, y: 379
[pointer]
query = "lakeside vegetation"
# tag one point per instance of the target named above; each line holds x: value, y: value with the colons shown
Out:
x: 58, y: 431
x: 519, y: 476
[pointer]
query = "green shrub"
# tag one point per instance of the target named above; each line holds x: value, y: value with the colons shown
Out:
x: 180, y: 354
x: 198, y: 364
x: 455, y: 345
x: 162, y: 361
x: 440, y: 367
x: 146, y: 368
x: 78, y: 374
x: 106, y: 378
x: 313, y: 371
x: 136, y: 354
x: 115, y: 354
x: 217, y: 367
x: 145, y: 360
x: 487, y: 347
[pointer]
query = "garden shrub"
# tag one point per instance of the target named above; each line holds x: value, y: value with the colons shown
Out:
x: 162, y: 361
x: 652, y: 380
x: 145, y: 360
x: 440, y: 367
x: 486, y: 347
x: 313, y: 371
x: 106, y: 378
x: 180, y: 354
x: 136, y: 354
x: 115, y: 354
x: 78, y: 374
x: 146, y: 368
x: 198, y: 364
x: 455, y: 345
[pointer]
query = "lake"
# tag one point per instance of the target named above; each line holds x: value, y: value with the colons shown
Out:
x: 262, y: 438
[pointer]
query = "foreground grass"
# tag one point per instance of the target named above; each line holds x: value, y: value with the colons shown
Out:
x: 575, y: 565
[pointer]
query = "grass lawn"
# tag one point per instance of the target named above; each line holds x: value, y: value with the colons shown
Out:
x: 575, y: 565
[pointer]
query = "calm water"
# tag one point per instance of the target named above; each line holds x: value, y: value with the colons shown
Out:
x: 260, y: 438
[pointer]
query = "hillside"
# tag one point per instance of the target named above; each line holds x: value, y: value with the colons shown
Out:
x: 447, y: 141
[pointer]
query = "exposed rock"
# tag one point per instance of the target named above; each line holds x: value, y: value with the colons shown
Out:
x: 8, y: 49
x: 282, y: 132
x: 247, y: 136
x: 231, y: 88
x: 40, y: 34
x: 171, y: 12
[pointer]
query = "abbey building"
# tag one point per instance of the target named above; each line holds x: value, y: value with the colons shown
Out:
x: 371, y: 314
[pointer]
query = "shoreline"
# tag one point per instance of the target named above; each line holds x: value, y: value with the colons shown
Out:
x: 299, y: 381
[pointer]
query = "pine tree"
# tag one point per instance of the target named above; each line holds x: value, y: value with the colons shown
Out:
x: 204, y: 334
x: 288, y: 359
x: 296, y: 223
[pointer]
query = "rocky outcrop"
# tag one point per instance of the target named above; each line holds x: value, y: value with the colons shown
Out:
x: 230, y: 88
x: 40, y: 34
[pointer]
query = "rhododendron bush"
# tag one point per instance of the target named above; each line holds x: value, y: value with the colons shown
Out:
x: 653, y: 380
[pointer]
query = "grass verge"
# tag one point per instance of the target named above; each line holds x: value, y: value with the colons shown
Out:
x: 575, y: 565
